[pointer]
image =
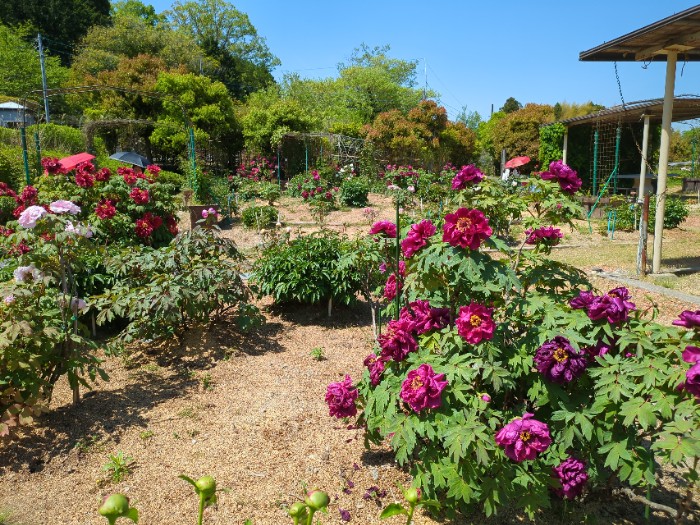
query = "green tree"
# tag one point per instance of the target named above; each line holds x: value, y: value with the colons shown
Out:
x: 20, y: 71
x: 511, y: 105
x: 206, y: 104
x: 137, y: 9
x: 64, y: 22
x: 519, y: 132
x: 227, y: 35
x: 471, y: 119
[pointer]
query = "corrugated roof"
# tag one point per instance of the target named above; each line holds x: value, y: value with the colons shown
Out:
x: 684, y: 108
x: 11, y: 105
x: 679, y: 32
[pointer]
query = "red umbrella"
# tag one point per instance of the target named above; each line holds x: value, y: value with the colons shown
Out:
x: 517, y: 161
x: 71, y: 162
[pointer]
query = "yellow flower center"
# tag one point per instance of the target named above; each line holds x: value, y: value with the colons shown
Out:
x: 560, y: 355
x: 475, y: 321
x: 525, y: 436
x: 416, y: 383
x: 463, y: 223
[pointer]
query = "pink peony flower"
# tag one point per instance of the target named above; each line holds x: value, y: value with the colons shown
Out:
x: 485, y: 398
x: 474, y: 323
x: 523, y: 438
x: 688, y: 319
x: 375, y: 365
x: 572, y: 476
x: 391, y: 287
x: 467, y: 175
x: 422, y: 388
x: 30, y: 215
x: 341, y: 398
x: 557, y: 361
x: 466, y: 228
x: 61, y: 206
x: 398, y: 341
x: 79, y: 229
x: 546, y: 235
x: 691, y: 354
x: 425, y: 318
x: 9, y: 299
x: 386, y: 227
x: 417, y: 237
x: 566, y: 177
x: 21, y: 273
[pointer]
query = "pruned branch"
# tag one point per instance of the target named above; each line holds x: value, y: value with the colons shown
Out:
x: 641, y: 499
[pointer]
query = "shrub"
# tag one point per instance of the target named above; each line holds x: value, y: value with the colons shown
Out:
x: 353, y: 192
x: 58, y: 137
x: 259, y: 217
x: 164, y: 292
x: 505, y: 380
x: 307, y: 270
x: 675, y: 213
x: 11, y: 167
x: 270, y: 192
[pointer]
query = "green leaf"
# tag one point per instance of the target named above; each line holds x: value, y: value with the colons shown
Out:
x: 393, y: 509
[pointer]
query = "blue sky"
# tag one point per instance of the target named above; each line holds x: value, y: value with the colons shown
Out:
x: 477, y: 53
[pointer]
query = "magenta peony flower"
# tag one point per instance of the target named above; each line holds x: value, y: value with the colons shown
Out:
x: 523, y: 438
x: 467, y: 175
x: 474, y: 323
x: 422, y: 388
x: 341, y: 398
x: 558, y: 362
x: 614, y: 306
x: 566, y: 177
x: 417, y: 237
x: 425, y: 318
x: 571, y: 474
x: 52, y: 165
x: 582, y: 301
x: 466, y: 228
x: 688, y: 319
x: 485, y: 398
x: 691, y: 354
x: 391, y: 287
x: 30, y: 215
x: 398, y: 341
x: 386, y: 227
x: 547, y: 235
x: 375, y: 365
x: 61, y: 206
x: 600, y: 348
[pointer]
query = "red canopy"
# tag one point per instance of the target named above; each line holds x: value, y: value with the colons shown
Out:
x: 517, y: 161
x: 71, y: 162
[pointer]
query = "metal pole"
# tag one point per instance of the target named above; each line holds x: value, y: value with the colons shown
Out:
x: 693, y: 144
x: 643, y: 167
x: 616, y: 169
x: 398, y: 255
x: 43, y: 77
x: 643, y: 232
x: 37, y: 144
x: 279, y: 178
x: 595, y: 162
x: 25, y: 157
x: 565, y: 147
x: 663, y: 157
x: 306, y: 158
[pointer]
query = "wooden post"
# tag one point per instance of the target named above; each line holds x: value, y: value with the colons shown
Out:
x: 643, y: 167
x: 643, y: 227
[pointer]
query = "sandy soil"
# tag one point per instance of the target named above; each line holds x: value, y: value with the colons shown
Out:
x: 248, y: 410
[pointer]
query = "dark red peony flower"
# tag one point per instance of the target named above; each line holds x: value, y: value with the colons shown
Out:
x: 139, y: 196
x: 84, y: 179
x: 105, y: 209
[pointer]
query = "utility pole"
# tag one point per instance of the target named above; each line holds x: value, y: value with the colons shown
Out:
x: 425, y: 74
x: 43, y: 77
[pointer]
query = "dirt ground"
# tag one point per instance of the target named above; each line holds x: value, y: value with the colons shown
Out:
x: 250, y: 411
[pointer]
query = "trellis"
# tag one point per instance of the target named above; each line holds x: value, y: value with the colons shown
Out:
x: 316, y: 146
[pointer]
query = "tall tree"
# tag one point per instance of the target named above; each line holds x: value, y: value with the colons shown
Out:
x: 227, y: 35
x: 64, y: 22
x: 137, y: 9
x: 519, y: 132
x: 511, y: 105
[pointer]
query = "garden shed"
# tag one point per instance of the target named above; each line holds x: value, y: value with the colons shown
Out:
x: 13, y: 115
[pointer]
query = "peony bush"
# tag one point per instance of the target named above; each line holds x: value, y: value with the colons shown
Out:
x: 505, y: 379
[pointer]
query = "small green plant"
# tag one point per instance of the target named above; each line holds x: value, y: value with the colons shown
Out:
x: 676, y: 211
x: 207, y: 383
x: 353, y: 192
x: 318, y: 353
x: 303, y: 513
x: 146, y: 434
x: 87, y: 443
x: 118, y: 466
x: 269, y: 192
x: 116, y: 506
x: 259, y: 217
x: 205, y: 488
x: 413, y: 497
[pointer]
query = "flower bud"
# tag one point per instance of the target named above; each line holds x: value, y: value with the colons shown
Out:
x: 297, y: 510
x: 486, y: 398
x: 412, y: 495
x: 114, y: 506
x: 317, y: 500
x: 206, y: 485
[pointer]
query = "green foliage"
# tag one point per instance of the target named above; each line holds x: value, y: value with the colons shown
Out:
x: 58, y: 137
x: 259, y: 217
x: 318, y: 353
x: 551, y: 143
x: 511, y: 105
x: 193, y: 280
x: 270, y: 192
x: 518, y: 132
x: 11, y: 167
x: 675, y: 212
x: 307, y: 270
x: 353, y: 192
x: 118, y: 466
